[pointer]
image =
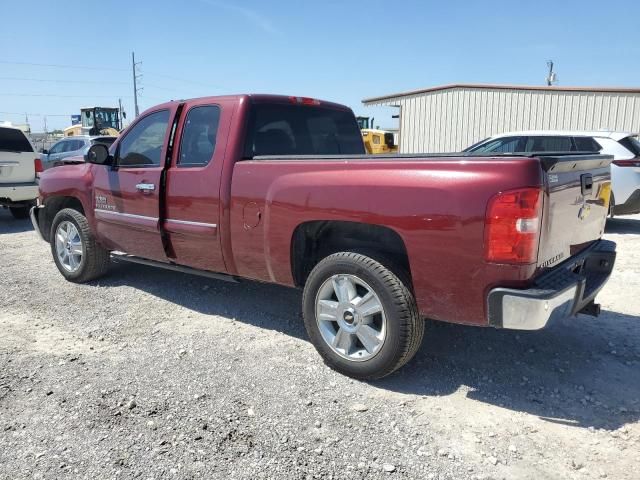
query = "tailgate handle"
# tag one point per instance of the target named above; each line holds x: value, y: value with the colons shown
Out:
x: 586, y: 183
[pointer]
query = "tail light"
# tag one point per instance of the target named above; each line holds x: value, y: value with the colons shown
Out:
x: 37, y: 163
x: 512, y: 226
x: 304, y: 101
x: 634, y: 162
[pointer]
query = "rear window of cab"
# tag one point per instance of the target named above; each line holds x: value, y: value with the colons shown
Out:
x: 14, y: 140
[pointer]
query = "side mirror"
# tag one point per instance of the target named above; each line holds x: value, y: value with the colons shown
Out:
x: 98, y: 154
x: 45, y: 151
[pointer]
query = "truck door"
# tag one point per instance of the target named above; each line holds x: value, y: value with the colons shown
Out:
x: 127, y: 196
x: 193, y: 187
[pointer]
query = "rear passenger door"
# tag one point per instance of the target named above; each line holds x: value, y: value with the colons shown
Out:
x: 193, y: 187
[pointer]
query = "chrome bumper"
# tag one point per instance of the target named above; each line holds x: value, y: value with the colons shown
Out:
x: 563, y: 292
x: 33, y: 214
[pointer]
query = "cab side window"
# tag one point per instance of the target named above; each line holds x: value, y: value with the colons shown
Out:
x: 142, y: 147
x: 199, y: 134
x: 57, y: 148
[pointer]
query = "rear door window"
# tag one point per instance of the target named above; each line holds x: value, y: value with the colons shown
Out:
x: 279, y: 129
x: 549, y: 144
x: 14, y: 140
x: 199, y: 134
x: 75, y: 145
x: 586, y: 144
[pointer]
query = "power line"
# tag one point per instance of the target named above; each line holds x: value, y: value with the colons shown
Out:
x: 53, y: 65
x: 60, y: 96
x: 61, y: 81
x: 37, y: 114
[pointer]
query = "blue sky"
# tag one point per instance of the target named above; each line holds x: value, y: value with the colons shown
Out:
x: 336, y: 50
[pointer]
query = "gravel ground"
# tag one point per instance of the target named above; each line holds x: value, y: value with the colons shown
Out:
x: 151, y: 374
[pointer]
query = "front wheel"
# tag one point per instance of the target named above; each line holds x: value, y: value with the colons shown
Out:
x: 360, y: 316
x: 76, y: 254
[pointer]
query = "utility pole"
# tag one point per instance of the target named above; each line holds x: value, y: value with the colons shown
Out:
x: 135, y: 83
x: 120, y: 112
x: 551, y: 78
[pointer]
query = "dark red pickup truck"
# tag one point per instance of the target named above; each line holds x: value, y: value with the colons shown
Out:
x: 278, y: 189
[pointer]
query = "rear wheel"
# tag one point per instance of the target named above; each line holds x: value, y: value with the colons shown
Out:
x: 19, y: 213
x: 76, y: 254
x: 360, y: 316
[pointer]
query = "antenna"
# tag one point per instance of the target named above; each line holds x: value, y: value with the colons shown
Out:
x: 552, y: 78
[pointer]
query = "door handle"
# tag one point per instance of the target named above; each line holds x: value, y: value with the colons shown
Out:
x: 146, y: 187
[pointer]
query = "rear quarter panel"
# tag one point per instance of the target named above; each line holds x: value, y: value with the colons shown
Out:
x: 436, y: 205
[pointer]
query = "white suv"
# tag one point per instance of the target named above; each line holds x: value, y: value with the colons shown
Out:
x: 18, y: 167
x: 624, y: 146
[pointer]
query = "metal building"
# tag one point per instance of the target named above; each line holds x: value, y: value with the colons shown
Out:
x: 452, y: 117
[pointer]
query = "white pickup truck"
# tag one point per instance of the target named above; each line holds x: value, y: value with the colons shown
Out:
x: 19, y: 165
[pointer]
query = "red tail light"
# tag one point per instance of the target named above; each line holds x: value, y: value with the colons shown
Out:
x: 304, y: 101
x: 512, y: 226
x: 37, y: 163
x: 634, y: 162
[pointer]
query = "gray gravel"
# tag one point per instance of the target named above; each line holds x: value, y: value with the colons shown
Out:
x: 151, y: 374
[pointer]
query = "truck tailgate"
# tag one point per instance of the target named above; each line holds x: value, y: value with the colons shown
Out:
x: 576, y: 205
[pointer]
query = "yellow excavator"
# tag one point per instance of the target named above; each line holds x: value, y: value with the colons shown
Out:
x: 96, y: 121
x: 376, y: 141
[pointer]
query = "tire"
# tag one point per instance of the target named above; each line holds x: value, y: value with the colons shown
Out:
x: 92, y: 262
x: 19, y: 213
x: 398, y: 327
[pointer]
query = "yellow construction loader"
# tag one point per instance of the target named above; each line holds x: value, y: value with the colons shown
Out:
x: 376, y: 141
x: 96, y: 121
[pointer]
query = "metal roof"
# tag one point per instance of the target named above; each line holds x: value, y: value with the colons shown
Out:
x: 500, y: 87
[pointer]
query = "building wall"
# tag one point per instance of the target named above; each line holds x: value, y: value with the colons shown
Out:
x: 452, y: 119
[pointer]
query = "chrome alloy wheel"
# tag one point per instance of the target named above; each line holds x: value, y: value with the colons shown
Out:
x: 68, y: 246
x: 350, y: 317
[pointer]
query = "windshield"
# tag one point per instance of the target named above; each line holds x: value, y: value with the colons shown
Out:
x: 277, y: 129
x: 101, y: 118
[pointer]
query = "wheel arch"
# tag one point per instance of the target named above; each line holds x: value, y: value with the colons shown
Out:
x: 312, y: 241
x: 52, y: 206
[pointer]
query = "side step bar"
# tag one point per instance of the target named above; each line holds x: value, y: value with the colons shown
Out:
x: 119, y: 256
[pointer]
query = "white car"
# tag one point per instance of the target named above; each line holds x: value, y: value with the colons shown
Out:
x: 18, y: 167
x: 624, y: 146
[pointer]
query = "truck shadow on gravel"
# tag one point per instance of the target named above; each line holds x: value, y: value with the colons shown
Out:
x: 581, y: 372
x: 260, y: 304
x: 623, y: 226
x: 8, y: 224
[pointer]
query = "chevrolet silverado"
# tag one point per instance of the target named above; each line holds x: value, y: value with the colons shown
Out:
x: 279, y: 189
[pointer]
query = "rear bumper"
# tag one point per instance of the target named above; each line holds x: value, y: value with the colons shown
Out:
x: 630, y: 207
x: 18, y: 192
x: 563, y: 292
